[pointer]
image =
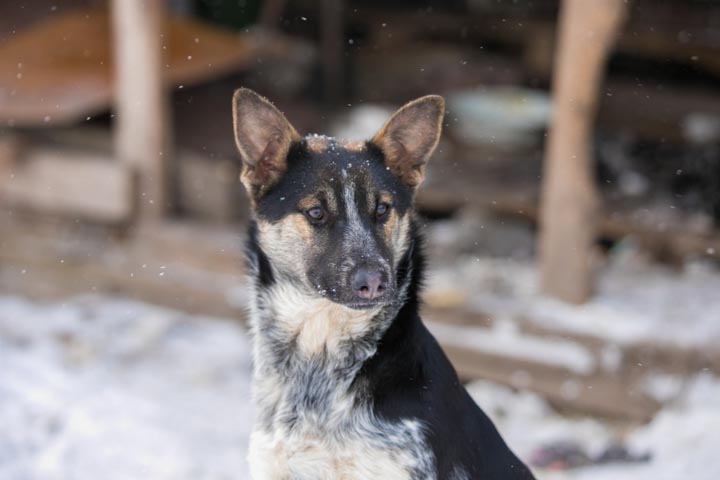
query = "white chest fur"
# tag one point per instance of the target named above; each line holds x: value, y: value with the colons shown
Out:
x: 332, y: 436
x: 282, y: 456
x: 316, y: 324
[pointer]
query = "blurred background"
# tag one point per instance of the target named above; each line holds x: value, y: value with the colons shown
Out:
x: 572, y: 214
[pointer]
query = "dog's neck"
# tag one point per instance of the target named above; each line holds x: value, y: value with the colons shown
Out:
x: 308, y: 348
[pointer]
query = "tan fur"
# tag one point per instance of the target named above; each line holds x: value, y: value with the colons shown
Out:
x: 399, y: 236
x: 308, y: 203
x: 318, y: 324
x: 409, y: 138
x: 396, y: 228
x: 286, y: 241
x: 324, y: 193
x: 352, y: 145
x: 390, y: 226
x: 386, y: 197
x: 317, y: 143
x: 301, y: 226
x: 321, y: 143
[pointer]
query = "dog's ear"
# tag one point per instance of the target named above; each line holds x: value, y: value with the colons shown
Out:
x: 409, y: 138
x: 263, y: 136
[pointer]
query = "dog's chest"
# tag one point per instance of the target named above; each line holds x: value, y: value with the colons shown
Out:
x: 392, y: 452
x: 311, y: 425
x: 329, y: 436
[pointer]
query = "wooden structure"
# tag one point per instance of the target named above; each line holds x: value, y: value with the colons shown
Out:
x: 65, y: 69
x: 142, y: 120
x: 60, y: 71
x: 81, y: 185
x: 569, y: 195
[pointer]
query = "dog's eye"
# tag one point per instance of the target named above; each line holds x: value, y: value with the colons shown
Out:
x: 381, y: 209
x: 316, y: 214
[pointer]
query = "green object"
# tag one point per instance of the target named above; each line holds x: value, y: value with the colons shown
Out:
x: 235, y: 14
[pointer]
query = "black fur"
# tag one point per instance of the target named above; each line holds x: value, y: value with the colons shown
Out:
x: 410, y: 376
x: 256, y: 259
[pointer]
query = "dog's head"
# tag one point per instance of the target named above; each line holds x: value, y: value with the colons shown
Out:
x: 334, y: 216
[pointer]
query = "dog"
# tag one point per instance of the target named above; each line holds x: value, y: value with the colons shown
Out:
x: 347, y: 381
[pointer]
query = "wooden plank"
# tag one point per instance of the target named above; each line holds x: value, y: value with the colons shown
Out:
x: 10, y: 146
x: 162, y: 264
x: 607, y: 396
x: 59, y: 71
x: 217, y: 249
x: 666, y: 242
x: 207, y: 188
x: 74, y: 184
x: 635, y: 356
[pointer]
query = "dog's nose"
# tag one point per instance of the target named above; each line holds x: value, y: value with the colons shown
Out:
x: 368, y: 285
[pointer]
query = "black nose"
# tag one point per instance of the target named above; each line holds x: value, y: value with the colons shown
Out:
x: 368, y: 285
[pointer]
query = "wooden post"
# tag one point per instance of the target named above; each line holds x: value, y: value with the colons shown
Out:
x: 570, y: 202
x: 142, y: 127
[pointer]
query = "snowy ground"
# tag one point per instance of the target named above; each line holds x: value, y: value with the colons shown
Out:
x: 682, y: 441
x: 636, y: 299
x: 99, y: 388
x: 113, y: 389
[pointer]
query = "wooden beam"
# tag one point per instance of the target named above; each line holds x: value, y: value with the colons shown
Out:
x: 569, y: 195
x: 142, y: 125
x: 61, y: 68
x: 191, y: 267
x: 601, y: 395
x: 71, y: 184
x: 672, y: 244
x: 10, y: 146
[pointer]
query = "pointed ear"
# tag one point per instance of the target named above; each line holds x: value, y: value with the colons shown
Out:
x: 409, y: 138
x: 263, y: 136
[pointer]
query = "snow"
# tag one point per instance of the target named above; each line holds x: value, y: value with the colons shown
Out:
x: 646, y: 304
x: 636, y: 300
x: 504, y: 339
x: 683, y: 439
x: 99, y: 387
x: 526, y: 421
